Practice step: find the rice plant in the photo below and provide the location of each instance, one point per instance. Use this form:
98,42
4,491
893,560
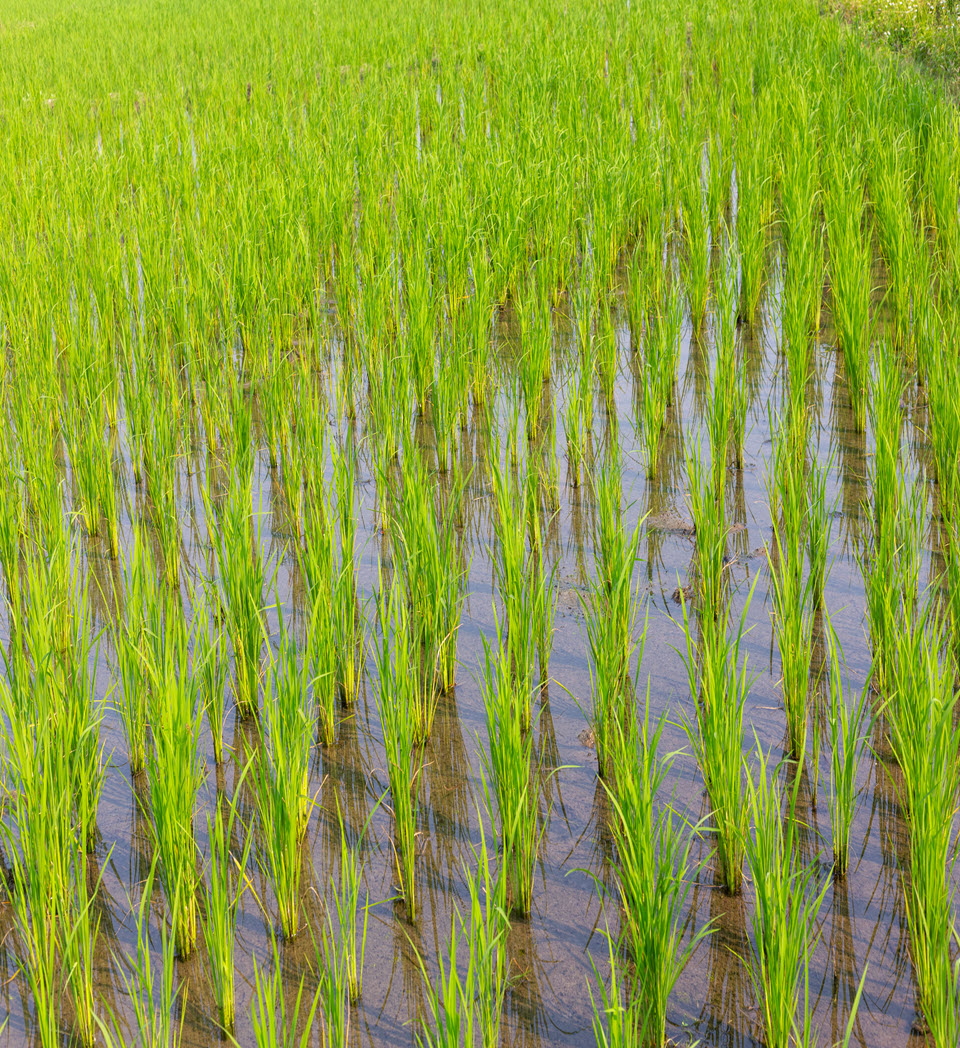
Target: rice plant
155,1001
719,683
80,938
618,1015
787,901
466,1004
350,939
174,775
278,1023
241,578
510,780
851,280
281,770
653,865
793,626
224,892
398,683
849,726
921,713
709,518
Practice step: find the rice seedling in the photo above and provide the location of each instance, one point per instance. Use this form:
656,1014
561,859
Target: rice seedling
240,574
487,926
321,658
573,432
653,876
224,893
886,416
350,939
281,780
921,714
787,901
709,519
695,261
851,283
433,577
397,699
660,359
754,171
618,1016
820,515
154,1006
141,597
849,725
174,775
467,1003
333,985
719,682
210,669
276,1023
511,783
80,937
37,880
793,624
517,583
610,621
944,435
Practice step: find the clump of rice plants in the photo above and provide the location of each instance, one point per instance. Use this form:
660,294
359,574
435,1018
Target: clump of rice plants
174,775
241,579
848,726
708,511
467,1004
281,767
511,781
921,713
719,682
653,867
787,901
399,682
278,1023
224,892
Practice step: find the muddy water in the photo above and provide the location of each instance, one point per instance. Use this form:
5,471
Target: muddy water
553,954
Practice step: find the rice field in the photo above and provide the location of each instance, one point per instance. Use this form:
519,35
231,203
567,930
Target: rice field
479,526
